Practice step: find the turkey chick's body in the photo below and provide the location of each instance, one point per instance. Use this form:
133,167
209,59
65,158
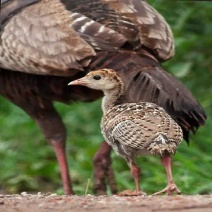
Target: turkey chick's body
134,129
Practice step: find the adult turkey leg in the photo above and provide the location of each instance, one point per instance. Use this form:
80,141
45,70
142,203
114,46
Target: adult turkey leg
54,130
59,149
103,172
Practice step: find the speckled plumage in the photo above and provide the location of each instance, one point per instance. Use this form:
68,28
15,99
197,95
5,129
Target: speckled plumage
137,128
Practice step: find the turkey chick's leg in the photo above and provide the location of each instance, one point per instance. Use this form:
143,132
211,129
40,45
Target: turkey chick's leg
136,173
171,186
54,130
103,171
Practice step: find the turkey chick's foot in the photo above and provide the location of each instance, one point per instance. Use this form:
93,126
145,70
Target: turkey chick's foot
171,187
136,172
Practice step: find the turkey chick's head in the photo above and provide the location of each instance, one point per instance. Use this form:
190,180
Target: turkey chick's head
103,79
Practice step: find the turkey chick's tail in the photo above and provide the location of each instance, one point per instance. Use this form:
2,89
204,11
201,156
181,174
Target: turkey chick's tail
145,80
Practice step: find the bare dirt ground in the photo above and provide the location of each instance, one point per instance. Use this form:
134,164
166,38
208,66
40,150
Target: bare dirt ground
52,202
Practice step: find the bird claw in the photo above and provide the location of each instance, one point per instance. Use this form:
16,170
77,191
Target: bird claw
131,193
169,190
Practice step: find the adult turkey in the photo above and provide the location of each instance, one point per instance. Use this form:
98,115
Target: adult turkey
47,43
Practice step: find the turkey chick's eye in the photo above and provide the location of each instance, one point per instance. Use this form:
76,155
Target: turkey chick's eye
97,77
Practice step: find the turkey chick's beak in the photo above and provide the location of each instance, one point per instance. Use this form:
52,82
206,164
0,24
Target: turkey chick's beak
81,81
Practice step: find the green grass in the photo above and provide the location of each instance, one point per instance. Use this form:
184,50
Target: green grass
28,163
23,169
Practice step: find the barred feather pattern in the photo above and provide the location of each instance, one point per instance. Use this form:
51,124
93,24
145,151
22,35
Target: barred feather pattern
60,37
136,20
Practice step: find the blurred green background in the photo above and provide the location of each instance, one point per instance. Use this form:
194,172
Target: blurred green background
28,162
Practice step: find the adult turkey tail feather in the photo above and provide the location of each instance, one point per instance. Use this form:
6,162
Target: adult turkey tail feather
156,85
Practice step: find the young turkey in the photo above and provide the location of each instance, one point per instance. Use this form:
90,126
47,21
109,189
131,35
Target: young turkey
133,129
44,44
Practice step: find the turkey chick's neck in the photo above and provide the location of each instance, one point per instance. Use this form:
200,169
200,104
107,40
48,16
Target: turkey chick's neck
111,96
